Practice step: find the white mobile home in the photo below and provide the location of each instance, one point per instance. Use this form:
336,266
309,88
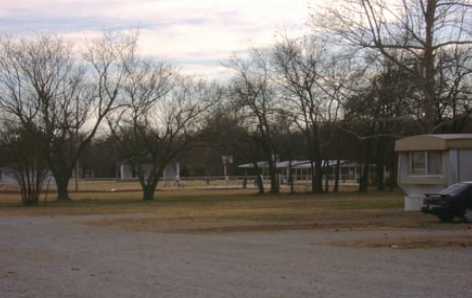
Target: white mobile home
8,177
429,163
171,171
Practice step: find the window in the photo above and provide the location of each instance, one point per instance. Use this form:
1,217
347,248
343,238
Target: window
434,163
425,163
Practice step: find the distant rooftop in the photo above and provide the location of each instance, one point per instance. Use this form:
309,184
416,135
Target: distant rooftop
434,142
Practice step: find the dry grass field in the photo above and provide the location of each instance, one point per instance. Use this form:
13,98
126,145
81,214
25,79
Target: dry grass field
218,209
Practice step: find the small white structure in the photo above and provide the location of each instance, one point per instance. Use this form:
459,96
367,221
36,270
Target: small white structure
171,171
7,178
349,171
429,163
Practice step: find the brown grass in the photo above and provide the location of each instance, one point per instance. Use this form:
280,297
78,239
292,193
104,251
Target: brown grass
217,210
422,242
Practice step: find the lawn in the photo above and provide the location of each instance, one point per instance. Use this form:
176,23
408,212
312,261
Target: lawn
229,210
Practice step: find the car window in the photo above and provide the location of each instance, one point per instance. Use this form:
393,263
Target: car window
458,189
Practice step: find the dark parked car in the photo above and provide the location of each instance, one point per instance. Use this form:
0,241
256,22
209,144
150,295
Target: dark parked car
454,201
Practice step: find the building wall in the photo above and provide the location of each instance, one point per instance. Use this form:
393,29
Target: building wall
464,163
416,186
456,159
7,178
456,168
170,172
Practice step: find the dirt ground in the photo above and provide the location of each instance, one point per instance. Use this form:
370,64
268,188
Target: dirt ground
65,256
220,211
203,246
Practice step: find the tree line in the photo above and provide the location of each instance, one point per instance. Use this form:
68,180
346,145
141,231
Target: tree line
367,73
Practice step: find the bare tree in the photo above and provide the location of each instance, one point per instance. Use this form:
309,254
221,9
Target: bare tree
42,83
223,135
46,85
256,99
24,159
382,109
311,80
422,30
159,118
455,98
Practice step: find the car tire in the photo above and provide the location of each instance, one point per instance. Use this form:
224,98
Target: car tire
467,215
446,218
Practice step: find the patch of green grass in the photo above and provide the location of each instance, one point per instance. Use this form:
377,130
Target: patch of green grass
234,204
276,217
375,204
421,242
90,202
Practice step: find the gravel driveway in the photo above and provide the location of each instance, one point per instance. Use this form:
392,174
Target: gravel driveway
59,257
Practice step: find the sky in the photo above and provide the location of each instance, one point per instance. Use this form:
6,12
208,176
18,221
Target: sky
194,35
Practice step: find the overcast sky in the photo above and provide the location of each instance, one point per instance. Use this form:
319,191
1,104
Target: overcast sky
196,35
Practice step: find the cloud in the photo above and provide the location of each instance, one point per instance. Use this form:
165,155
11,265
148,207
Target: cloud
177,30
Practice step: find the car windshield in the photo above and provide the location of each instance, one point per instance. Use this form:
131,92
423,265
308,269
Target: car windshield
456,189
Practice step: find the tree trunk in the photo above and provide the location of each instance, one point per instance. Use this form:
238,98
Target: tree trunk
429,67
364,179
259,182
272,160
317,168
274,181
30,182
149,185
148,192
380,176
290,174
336,176
393,172
62,189
62,174
380,165
326,175
318,177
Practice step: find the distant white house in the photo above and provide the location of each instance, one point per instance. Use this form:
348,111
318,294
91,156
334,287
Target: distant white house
7,178
301,169
429,163
127,172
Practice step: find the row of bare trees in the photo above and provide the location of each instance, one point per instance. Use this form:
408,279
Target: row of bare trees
370,71
56,98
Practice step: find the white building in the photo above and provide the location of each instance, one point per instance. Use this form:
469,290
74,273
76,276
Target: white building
429,163
7,178
171,171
